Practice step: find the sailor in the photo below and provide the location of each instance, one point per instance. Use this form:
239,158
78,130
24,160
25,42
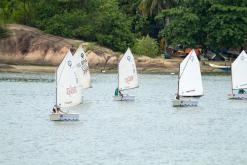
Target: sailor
241,91
118,92
57,109
54,109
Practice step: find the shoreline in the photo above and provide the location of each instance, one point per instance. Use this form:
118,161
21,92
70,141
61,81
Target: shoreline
46,53
8,68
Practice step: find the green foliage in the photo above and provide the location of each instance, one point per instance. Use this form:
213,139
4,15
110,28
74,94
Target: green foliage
3,32
227,26
146,46
154,7
183,28
114,27
67,24
212,24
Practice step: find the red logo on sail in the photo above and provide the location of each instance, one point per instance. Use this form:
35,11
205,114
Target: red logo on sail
129,79
71,91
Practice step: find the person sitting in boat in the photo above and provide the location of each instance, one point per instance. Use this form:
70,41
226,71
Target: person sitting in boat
118,92
54,109
241,91
57,109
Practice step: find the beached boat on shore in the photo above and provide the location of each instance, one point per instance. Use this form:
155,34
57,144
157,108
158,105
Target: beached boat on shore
221,67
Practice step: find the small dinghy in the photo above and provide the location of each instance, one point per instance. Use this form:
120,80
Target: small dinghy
184,102
127,77
68,92
239,77
64,116
223,68
124,97
189,82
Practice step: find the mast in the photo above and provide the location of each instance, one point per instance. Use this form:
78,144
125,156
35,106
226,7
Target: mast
56,84
118,74
231,79
178,82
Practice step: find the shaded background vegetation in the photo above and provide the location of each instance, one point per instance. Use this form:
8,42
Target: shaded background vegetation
118,24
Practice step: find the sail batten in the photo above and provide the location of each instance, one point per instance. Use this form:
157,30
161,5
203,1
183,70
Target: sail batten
190,81
239,69
68,91
127,73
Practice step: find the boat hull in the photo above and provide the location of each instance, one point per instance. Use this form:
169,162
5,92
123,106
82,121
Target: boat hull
238,96
184,103
64,117
124,98
223,68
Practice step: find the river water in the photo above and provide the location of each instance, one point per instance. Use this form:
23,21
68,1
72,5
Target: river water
148,131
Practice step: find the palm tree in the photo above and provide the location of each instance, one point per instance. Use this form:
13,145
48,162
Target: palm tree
153,7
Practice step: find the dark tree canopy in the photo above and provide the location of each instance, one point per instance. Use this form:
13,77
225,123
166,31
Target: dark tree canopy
119,24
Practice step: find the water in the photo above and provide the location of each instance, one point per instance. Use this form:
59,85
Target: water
148,131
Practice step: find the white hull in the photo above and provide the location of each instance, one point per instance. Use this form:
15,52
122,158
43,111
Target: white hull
124,98
238,96
64,116
184,103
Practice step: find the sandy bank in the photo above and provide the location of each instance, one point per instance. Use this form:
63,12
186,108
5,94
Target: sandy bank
142,70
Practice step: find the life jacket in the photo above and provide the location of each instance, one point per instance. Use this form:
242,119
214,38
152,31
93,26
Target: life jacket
116,92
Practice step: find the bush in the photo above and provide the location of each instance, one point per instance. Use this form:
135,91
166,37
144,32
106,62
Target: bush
146,46
3,32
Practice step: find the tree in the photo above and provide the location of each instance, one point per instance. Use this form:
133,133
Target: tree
227,26
154,7
114,27
7,9
183,28
213,24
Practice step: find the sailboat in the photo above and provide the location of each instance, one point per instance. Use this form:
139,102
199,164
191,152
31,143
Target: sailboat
127,77
68,92
82,68
189,82
239,77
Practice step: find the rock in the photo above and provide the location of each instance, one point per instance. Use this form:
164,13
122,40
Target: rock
94,59
143,59
113,61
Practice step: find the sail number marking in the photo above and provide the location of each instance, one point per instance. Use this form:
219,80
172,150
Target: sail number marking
129,79
71,90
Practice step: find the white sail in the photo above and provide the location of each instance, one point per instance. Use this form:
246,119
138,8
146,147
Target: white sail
82,68
127,73
68,89
239,72
190,81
